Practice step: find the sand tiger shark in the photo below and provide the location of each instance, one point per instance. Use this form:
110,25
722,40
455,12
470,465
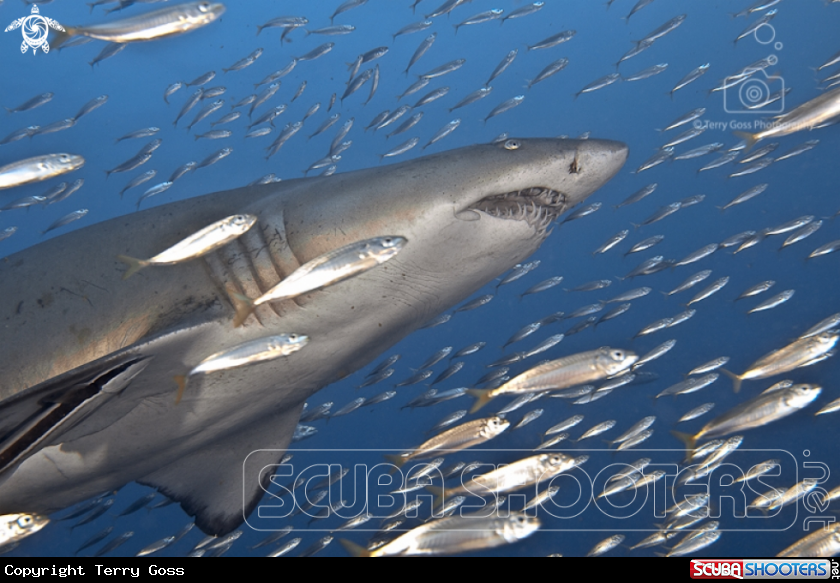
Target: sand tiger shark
87,360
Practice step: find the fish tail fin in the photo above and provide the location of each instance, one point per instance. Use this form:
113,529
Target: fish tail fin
690,441
751,139
62,36
439,493
397,459
134,265
181,380
354,549
243,305
736,380
482,397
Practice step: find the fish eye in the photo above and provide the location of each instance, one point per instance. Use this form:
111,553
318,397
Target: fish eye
512,145
204,6
24,521
617,355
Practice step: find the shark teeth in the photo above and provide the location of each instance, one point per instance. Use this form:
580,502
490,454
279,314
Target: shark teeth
537,206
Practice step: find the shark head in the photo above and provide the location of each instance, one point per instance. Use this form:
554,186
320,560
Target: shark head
468,214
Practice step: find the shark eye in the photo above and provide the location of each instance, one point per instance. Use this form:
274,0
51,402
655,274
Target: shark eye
512,144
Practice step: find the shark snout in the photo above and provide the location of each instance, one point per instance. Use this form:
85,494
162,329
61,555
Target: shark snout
590,165
607,157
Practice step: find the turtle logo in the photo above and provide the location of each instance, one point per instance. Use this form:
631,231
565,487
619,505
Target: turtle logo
34,29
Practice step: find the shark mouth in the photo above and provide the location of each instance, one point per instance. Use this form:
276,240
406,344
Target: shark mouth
538,206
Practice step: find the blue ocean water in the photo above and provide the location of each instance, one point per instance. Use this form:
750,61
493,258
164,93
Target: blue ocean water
802,37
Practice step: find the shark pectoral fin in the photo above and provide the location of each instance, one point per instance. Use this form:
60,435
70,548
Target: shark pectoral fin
221,484
39,415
